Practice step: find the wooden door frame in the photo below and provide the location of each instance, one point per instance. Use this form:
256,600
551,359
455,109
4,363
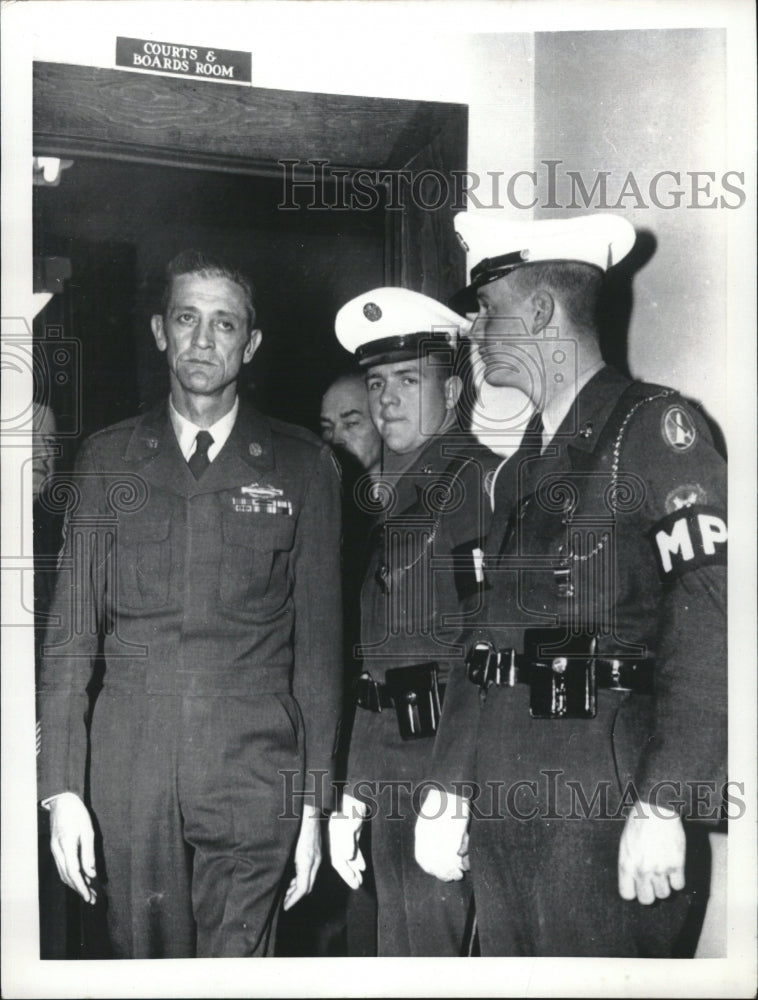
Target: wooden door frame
148,118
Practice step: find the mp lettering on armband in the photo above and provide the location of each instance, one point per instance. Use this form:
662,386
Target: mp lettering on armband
688,538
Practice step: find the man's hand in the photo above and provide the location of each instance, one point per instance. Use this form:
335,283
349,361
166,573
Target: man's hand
72,841
307,857
442,835
344,831
651,854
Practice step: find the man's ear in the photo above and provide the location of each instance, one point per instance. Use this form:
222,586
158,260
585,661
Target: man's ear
156,325
453,390
254,342
543,307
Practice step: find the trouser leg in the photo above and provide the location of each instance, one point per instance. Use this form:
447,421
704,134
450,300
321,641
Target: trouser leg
144,862
237,819
550,888
361,907
418,915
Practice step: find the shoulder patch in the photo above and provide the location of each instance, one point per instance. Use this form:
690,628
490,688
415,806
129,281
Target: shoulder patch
678,429
685,495
688,538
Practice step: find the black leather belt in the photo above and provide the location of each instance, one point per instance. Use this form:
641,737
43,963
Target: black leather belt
563,685
415,694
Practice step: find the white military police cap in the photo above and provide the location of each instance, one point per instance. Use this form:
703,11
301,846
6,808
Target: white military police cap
394,324
496,244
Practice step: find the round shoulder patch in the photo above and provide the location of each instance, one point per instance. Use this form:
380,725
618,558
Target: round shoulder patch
677,428
686,495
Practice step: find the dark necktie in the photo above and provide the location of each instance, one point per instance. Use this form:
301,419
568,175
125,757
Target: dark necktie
507,483
199,461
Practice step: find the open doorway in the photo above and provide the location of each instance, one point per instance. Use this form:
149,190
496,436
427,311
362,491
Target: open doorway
266,178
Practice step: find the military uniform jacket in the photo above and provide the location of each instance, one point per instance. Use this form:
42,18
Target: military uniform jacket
424,552
618,528
223,586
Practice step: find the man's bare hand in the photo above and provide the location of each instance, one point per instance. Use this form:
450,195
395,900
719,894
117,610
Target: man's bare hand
651,854
307,857
72,841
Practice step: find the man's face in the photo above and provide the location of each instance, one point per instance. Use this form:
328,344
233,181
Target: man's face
502,333
205,334
408,401
345,422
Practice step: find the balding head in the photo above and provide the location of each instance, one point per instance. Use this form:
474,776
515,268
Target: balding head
345,421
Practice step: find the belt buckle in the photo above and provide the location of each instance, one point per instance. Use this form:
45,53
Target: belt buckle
483,665
563,687
616,682
630,676
367,695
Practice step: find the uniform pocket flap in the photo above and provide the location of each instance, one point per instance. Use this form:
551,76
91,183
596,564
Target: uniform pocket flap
259,531
133,530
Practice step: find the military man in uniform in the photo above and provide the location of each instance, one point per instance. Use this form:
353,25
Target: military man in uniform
592,708
432,513
202,562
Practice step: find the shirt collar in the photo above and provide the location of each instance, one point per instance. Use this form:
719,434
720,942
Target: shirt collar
556,410
394,463
186,431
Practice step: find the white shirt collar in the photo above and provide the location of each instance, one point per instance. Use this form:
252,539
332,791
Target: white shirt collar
186,432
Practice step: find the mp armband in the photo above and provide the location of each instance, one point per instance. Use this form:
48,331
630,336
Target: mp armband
688,538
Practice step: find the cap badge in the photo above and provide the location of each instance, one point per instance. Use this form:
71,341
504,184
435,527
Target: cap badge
372,312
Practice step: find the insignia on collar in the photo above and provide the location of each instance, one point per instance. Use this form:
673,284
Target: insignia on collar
152,443
255,449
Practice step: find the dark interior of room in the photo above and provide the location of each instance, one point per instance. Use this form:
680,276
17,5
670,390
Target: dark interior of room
119,223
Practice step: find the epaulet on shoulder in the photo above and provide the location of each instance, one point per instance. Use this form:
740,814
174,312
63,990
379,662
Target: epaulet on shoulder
295,431
678,421
105,432
660,397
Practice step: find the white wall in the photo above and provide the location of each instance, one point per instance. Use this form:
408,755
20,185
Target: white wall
361,50
481,54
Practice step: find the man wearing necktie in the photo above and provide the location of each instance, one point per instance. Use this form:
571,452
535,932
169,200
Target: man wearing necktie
198,543
593,703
